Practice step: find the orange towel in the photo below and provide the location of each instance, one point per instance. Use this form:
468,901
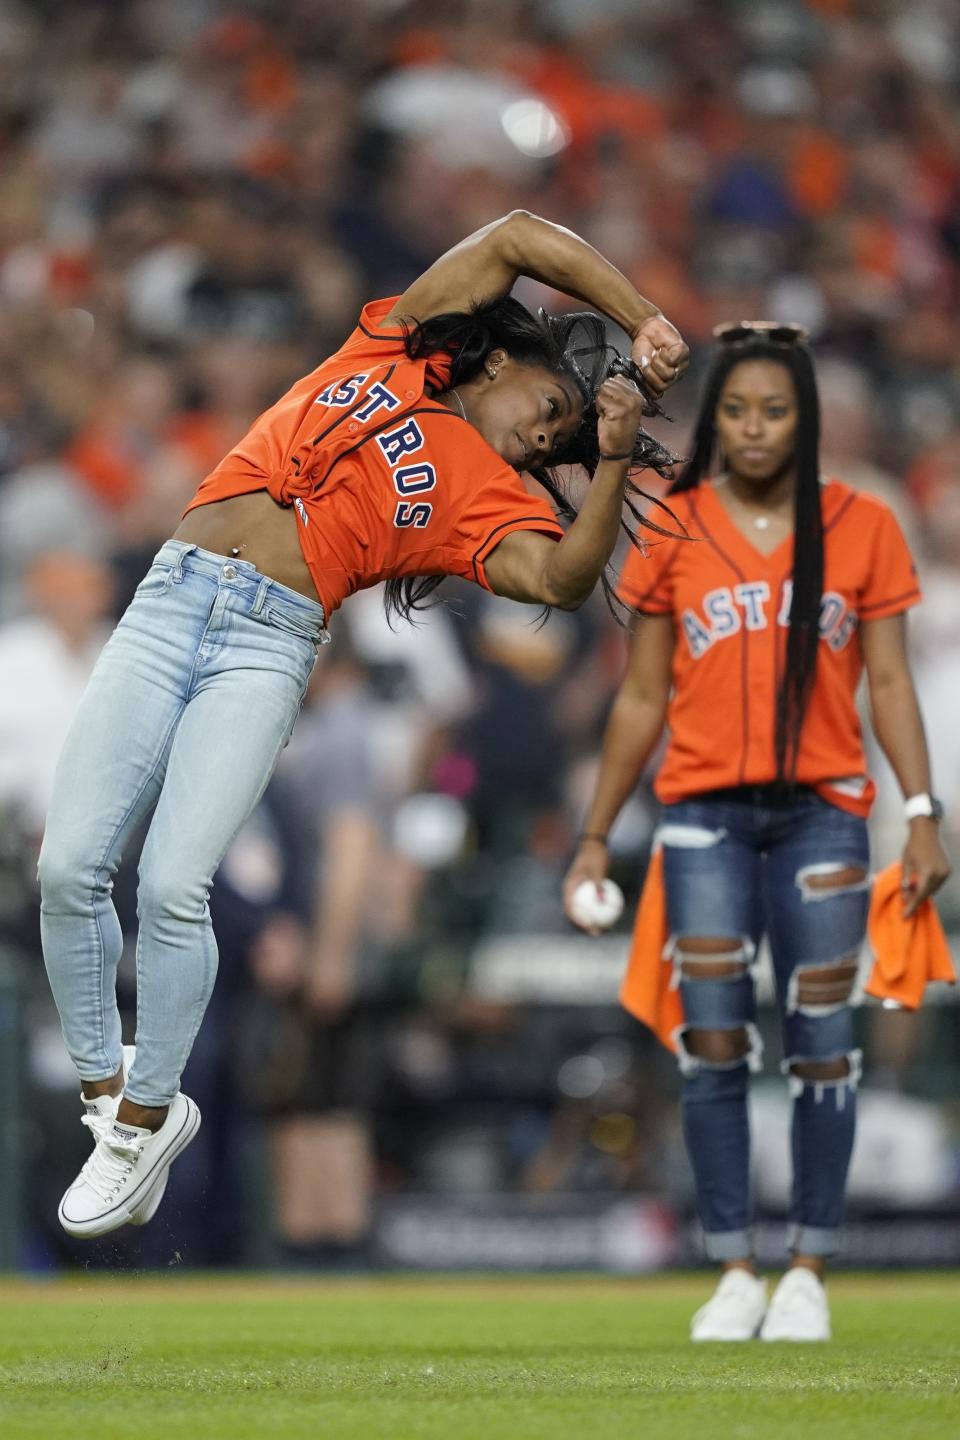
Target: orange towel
907,954
647,990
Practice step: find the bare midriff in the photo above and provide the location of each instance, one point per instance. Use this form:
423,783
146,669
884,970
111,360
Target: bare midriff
263,532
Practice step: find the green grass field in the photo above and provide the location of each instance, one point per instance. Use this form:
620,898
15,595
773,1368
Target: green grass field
485,1359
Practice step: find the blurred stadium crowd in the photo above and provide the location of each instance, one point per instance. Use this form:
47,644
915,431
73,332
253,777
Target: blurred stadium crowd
196,198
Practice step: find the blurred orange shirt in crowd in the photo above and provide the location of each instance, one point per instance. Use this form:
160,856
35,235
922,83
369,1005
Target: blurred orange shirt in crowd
384,480
106,467
730,605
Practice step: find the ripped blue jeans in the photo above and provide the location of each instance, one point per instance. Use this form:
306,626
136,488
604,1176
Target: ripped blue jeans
739,865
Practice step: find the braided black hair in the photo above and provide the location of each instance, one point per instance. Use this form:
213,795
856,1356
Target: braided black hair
795,682
574,346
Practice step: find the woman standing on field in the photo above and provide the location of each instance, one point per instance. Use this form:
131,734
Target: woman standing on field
401,458
750,647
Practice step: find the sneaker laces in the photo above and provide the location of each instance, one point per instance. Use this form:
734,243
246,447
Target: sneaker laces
112,1161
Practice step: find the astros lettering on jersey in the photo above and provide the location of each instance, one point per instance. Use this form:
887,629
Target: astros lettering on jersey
731,609
384,481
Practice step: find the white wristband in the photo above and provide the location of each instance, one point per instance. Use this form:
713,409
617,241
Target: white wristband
918,805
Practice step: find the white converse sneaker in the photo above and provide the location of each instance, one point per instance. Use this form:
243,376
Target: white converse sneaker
100,1115
734,1310
799,1309
126,1164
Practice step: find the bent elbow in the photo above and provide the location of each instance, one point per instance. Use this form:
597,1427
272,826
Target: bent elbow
564,591
512,234
519,216
566,600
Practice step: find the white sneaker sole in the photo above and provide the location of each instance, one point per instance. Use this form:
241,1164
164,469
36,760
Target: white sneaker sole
145,1199
796,1339
723,1339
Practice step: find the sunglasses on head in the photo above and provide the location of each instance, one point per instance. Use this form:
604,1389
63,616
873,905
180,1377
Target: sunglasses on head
741,332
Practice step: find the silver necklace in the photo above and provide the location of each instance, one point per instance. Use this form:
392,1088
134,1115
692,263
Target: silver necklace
460,403
762,522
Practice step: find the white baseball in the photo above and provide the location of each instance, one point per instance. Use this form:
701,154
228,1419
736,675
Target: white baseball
601,911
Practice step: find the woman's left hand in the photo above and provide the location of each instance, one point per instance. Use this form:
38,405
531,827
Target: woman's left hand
660,351
925,864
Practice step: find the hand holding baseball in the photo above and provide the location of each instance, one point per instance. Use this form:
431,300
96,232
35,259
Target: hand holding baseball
590,900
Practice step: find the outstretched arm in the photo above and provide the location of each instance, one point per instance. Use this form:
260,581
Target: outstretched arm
486,265
898,726
633,729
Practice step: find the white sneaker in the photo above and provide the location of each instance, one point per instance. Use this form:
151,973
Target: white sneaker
799,1309
735,1309
100,1115
127,1162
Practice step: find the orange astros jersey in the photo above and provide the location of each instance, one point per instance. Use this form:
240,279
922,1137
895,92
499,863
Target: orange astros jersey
731,608
385,481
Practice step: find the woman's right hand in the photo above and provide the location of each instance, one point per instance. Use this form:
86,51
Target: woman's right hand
589,863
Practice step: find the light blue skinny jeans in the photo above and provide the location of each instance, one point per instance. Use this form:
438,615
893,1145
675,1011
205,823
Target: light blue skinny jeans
187,710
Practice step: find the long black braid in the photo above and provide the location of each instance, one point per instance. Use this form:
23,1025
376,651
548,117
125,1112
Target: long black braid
796,681
573,345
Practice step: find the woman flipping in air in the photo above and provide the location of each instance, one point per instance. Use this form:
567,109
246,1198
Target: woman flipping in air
400,459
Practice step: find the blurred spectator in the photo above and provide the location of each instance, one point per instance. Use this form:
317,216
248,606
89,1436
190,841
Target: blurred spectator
849,422
45,662
43,508
312,868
